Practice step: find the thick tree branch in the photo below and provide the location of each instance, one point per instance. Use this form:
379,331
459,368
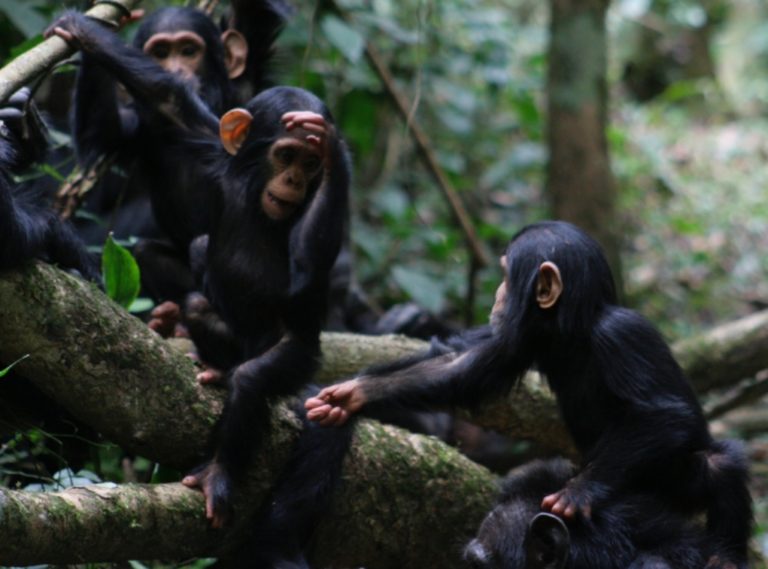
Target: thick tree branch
726,354
107,369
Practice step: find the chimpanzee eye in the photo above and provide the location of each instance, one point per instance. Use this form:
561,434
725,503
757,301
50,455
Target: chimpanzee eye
190,50
311,164
285,155
160,51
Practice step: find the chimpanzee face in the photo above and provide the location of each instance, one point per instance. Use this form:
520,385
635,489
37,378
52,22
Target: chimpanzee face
295,164
182,53
501,297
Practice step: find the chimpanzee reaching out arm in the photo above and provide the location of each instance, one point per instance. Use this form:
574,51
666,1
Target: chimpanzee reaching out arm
614,377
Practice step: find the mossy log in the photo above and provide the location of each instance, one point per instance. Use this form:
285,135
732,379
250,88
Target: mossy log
109,371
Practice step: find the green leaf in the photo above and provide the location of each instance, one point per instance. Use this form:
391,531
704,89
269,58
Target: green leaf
120,271
5,371
23,16
343,37
422,288
142,304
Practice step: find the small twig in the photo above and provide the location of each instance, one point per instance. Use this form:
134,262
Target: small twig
424,146
73,191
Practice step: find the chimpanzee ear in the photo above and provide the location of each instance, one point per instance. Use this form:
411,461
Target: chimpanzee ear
549,286
235,52
233,129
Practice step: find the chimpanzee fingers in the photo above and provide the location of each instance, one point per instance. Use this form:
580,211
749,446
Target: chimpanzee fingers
210,376
306,120
135,16
20,97
335,418
319,413
548,501
192,481
314,402
66,35
10,114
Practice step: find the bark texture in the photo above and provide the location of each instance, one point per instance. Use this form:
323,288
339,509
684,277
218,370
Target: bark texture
580,184
110,371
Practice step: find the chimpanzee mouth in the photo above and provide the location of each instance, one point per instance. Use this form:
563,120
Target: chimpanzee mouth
281,203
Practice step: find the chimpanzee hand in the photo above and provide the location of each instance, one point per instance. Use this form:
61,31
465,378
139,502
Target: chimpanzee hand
216,485
320,131
72,26
21,123
334,404
578,496
164,319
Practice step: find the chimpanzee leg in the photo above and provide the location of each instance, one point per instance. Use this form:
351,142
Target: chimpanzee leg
280,371
729,511
301,498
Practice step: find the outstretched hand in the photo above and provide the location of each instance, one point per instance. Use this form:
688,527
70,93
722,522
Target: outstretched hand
333,406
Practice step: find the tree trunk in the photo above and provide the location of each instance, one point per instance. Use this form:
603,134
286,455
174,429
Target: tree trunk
580,183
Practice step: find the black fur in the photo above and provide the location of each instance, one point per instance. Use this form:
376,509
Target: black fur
624,399
629,531
30,229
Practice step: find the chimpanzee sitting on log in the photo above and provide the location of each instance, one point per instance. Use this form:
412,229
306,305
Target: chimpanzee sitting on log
624,399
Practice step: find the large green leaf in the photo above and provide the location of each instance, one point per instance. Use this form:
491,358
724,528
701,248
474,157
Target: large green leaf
120,271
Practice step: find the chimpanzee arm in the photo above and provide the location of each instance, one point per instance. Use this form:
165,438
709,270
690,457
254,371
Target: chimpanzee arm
100,125
317,238
485,370
147,82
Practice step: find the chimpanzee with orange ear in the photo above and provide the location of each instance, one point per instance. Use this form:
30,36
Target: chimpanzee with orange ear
276,203
276,228
624,399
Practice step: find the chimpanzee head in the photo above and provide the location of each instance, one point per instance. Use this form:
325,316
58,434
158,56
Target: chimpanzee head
553,273
515,534
185,41
285,164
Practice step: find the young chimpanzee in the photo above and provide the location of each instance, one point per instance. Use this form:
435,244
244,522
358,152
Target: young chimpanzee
29,228
624,399
276,229
630,531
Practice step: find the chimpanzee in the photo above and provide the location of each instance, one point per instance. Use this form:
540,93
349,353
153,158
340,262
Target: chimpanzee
624,399
276,220
276,230
629,531
157,197
28,227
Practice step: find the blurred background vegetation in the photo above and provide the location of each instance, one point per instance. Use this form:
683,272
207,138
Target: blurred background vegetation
687,134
